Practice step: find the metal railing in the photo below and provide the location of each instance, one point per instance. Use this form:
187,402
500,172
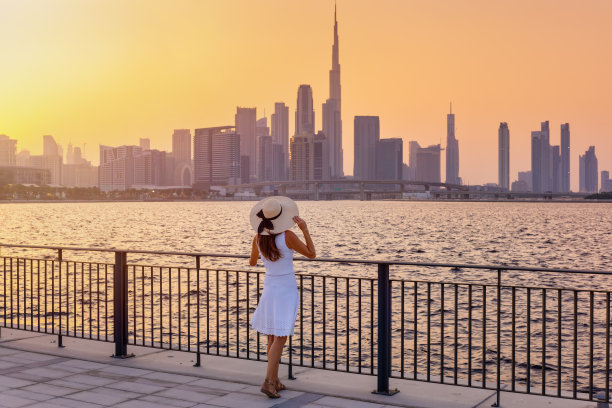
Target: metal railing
548,340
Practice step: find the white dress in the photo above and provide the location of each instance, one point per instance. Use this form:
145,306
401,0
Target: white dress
278,306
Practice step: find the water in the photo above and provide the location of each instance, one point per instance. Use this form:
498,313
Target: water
572,235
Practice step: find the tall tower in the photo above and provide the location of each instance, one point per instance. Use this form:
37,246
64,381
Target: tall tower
452,150
565,157
304,114
503,156
332,118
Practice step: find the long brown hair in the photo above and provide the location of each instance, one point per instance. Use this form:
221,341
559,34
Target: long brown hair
268,248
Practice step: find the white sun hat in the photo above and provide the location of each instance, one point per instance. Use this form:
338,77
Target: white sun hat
273,215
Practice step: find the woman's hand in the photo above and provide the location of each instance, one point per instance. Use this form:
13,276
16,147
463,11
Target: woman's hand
300,223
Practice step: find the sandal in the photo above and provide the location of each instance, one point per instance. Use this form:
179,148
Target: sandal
279,386
269,393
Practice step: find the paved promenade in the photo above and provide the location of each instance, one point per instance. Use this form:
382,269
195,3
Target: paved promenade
34,372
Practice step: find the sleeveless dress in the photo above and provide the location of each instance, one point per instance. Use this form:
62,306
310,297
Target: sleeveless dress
278,305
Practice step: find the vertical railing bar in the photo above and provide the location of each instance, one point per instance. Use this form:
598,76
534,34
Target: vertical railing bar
371,326
188,309
59,255
312,322
151,306
591,326
428,331
528,340
46,298
335,324
170,301
218,330
179,308
199,314
161,307
415,331
513,338
348,347
90,302
227,296
470,335
575,390
403,333
301,320
238,315
484,336
559,322
18,298
543,341
142,305
207,310
456,313
441,332
358,326
498,386
258,334
12,295
324,319
106,314
248,316
32,295
607,346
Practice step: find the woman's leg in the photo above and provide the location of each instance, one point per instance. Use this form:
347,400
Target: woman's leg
274,356
270,340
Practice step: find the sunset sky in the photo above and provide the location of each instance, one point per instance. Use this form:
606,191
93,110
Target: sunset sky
111,72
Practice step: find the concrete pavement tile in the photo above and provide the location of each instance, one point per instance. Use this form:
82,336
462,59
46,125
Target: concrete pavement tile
28,395
49,389
32,357
168,402
140,404
89,379
219,385
66,367
104,396
192,396
346,403
8,351
195,388
87,365
12,401
28,377
71,384
136,387
240,400
48,373
12,382
43,405
4,364
175,378
65,402
126,371
205,406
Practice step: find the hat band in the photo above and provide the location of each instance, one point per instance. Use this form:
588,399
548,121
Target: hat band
267,222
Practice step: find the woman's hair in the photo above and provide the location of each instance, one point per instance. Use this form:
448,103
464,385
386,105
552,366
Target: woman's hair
268,248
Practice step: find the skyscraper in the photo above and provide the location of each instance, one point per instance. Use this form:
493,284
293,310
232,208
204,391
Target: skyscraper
541,166
8,150
121,167
565,157
216,154
302,157
555,165
320,149
503,171
280,136
52,159
245,123
427,163
588,171
389,159
181,154
367,134
332,118
304,113
452,150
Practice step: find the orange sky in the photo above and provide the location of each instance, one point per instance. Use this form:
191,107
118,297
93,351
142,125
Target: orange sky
110,72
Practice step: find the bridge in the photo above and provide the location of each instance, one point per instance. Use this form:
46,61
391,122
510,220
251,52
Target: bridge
365,189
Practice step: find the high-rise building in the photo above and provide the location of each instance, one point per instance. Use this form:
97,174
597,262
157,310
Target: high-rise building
52,159
217,159
413,148
588,171
332,108
79,172
145,144
503,172
367,134
280,136
452,150
527,178
606,183
565,157
389,159
304,113
555,164
428,163
121,168
541,165
246,127
181,155
265,163
8,151
301,160
321,167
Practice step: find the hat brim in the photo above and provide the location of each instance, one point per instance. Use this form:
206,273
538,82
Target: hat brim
283,222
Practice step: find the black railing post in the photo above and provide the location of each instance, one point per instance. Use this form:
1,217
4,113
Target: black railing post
384,331
60,343
498,386
120,294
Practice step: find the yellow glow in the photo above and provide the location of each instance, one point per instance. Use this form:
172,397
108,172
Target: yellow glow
111,72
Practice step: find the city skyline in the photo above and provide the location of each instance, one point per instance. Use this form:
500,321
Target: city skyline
413,108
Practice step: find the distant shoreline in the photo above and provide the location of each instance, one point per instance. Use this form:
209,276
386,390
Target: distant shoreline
259,198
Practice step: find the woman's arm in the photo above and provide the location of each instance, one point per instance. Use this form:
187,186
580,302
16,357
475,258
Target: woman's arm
293,242
254,252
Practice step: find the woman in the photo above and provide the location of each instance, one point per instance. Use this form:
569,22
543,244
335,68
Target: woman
278,306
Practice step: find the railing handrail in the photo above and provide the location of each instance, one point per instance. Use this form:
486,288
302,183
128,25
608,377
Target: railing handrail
334,260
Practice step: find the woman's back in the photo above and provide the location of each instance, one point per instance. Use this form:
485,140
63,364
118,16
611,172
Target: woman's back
284,265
